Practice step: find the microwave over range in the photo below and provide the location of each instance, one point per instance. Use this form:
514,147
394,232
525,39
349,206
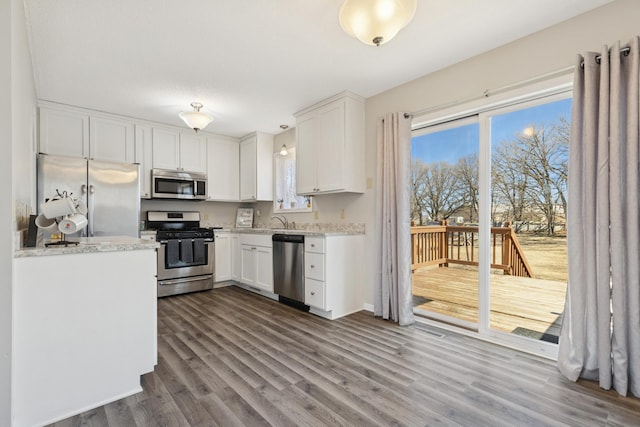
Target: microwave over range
169,184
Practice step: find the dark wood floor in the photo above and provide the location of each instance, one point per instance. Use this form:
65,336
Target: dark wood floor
229,358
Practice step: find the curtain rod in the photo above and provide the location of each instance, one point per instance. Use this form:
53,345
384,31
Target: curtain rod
624,51
488,92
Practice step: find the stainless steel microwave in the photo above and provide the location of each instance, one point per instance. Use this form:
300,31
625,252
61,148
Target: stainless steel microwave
170,184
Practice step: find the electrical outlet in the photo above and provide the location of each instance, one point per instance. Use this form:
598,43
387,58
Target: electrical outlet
342,214
206,216
258,213
316,215
369,183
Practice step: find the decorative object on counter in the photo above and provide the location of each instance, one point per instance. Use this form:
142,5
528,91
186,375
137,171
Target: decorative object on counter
64,213
244,218
280,203
375,22
196,119
32,232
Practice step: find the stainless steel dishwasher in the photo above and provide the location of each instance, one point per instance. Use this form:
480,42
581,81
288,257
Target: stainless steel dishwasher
288,269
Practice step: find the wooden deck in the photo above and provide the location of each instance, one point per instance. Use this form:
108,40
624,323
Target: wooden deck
527,306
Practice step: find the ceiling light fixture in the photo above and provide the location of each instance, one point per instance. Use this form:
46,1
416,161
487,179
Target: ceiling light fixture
196,119
375,22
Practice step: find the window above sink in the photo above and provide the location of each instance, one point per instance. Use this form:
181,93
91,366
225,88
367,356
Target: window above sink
285,198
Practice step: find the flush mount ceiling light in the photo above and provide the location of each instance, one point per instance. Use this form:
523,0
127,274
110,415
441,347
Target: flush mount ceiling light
196,119
375,22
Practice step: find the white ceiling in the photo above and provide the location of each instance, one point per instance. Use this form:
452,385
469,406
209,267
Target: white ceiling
252,63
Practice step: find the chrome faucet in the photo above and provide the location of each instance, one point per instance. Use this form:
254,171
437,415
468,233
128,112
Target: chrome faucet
283,220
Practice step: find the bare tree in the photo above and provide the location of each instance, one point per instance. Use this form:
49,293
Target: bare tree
418,192
510,182
467,170
547,167
443,192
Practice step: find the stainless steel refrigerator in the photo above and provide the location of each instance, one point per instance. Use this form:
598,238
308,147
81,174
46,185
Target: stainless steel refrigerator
111,191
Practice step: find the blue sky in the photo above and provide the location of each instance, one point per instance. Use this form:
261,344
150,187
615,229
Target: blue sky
451,144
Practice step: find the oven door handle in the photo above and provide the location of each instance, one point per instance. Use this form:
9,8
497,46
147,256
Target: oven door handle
186,279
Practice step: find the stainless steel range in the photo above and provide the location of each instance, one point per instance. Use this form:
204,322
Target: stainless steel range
186,260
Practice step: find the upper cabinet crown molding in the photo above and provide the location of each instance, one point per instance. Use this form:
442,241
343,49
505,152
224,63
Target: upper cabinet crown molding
330,146
337,97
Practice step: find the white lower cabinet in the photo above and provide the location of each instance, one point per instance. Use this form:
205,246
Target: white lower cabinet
333,269
334,275
236,266
256,255
223,256
314,293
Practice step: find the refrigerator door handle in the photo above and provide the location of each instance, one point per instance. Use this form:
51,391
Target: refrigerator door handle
90,210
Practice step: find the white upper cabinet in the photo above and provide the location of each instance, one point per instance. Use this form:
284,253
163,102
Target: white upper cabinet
256,167
166,149
193,152
223,169
330,146
179,151
64,132
111,140
69,131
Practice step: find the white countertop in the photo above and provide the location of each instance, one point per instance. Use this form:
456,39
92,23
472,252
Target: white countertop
90,245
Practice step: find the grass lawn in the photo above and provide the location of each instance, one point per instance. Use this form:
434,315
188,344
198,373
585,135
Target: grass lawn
547,255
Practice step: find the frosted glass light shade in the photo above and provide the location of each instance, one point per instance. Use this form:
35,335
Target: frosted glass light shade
375,22
196,119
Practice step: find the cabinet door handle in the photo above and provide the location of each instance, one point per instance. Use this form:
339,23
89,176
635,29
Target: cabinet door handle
313,293
313,245
253,249
313,266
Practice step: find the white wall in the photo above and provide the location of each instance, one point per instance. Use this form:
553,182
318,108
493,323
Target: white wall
541,53
24,110
17,105
6,229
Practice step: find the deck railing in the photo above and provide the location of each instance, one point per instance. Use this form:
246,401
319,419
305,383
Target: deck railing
445,244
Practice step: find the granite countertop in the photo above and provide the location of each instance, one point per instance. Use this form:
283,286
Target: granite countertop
305,229
90,245
304,232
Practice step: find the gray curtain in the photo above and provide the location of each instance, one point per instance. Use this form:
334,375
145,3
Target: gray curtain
392,299
600,337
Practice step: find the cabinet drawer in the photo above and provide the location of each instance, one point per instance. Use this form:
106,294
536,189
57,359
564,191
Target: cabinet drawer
314,266
256,239
314,244
314,293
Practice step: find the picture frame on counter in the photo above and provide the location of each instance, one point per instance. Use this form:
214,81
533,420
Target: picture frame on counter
244,218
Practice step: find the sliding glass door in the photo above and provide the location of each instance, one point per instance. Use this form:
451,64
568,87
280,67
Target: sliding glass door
528,174
488,221
444,209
